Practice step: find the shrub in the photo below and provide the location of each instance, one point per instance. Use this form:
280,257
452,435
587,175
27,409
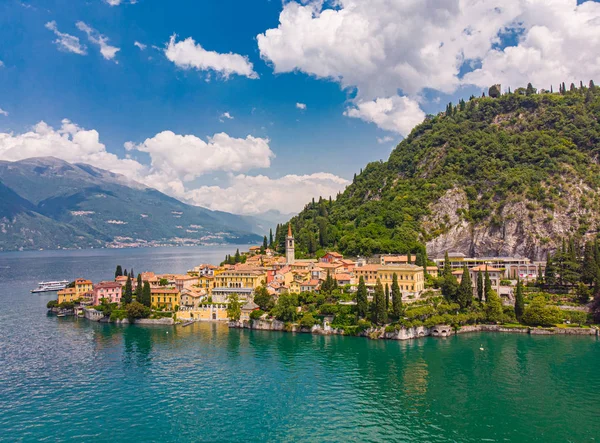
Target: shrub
52,304
540,314
135,310
256,315
308,321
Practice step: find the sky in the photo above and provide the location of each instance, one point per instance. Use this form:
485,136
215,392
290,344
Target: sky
253,106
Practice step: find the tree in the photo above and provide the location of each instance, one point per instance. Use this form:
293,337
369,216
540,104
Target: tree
387,296
147,295
396,297
285,309
263,299
595,308
447,269
163,282
465,290
589,265
480,286
136,310
118,271
271,238
265,244
583,293
234,308
493,307
362,302
125,274
237,257
449,287
550,273
379,314
539,314
139,288
127,293
519,301
530,89
487,283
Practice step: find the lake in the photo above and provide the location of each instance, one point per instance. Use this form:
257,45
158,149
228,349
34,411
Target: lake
65,379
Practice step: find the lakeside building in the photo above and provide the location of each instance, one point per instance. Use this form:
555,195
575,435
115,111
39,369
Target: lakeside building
512,267
164,298
83,286
411,278
109,290
67,295
241,282
190,298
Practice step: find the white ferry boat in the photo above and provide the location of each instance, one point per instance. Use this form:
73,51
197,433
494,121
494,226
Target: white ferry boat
50,286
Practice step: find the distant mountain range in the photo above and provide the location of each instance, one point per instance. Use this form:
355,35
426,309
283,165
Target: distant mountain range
47,203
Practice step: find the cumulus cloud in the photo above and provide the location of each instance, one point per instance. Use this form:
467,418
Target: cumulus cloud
1,64
3,112
119,2
107,51
381,47
257,194
301,106
396,114
66,42
187,54
140,45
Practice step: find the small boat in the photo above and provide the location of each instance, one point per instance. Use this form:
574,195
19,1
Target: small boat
61,315
50,286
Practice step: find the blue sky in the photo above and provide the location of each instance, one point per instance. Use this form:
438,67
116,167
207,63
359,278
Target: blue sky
137,94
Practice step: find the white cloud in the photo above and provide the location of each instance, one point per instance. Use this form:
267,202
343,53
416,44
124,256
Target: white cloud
66,42
3,112
188,156
1,64
140,45
107,51
119,2
396,114
225,115
254,195
381,47
186,54
301,106
383,140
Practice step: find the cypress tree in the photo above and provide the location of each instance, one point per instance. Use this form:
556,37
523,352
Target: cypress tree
118,271
465,290
550,274
447,270
379,314
139,288
125,274
589,265
271,238
128,293
592,86
147,295
408,258
238,257
519,301
265,244
396,297
387,296
362,303
131,274
480,286
487,284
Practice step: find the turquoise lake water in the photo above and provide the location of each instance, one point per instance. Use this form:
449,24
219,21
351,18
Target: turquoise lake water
63,379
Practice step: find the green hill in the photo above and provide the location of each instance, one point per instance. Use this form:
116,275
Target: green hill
492,176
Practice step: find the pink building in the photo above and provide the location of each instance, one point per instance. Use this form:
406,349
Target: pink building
109,290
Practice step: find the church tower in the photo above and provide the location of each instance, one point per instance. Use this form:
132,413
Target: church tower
290,250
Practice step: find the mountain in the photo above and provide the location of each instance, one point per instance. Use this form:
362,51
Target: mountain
49,203
505,176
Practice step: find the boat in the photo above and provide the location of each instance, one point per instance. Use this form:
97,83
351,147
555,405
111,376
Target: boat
50,286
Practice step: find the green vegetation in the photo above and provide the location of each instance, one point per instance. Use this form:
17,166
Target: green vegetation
521,146
127,292
234,308
136,310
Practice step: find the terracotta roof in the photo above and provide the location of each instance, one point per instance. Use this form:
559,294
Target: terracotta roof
107,285
164,291
367,268
68,291
83,281
334,254
342,276
310,283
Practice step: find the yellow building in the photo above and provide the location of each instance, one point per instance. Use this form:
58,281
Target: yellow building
410,277
206,282
68,295
82,286
294,287
367,272
240,279
204,312
166,298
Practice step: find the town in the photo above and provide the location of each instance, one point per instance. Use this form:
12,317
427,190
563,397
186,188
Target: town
335,293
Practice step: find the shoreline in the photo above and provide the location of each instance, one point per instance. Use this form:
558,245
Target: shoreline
408,333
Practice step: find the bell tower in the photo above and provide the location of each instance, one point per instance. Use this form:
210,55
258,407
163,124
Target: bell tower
290,250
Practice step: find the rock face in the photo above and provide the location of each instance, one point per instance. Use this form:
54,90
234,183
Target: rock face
522,228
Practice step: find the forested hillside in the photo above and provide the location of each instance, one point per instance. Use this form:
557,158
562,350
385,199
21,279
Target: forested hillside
508,175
